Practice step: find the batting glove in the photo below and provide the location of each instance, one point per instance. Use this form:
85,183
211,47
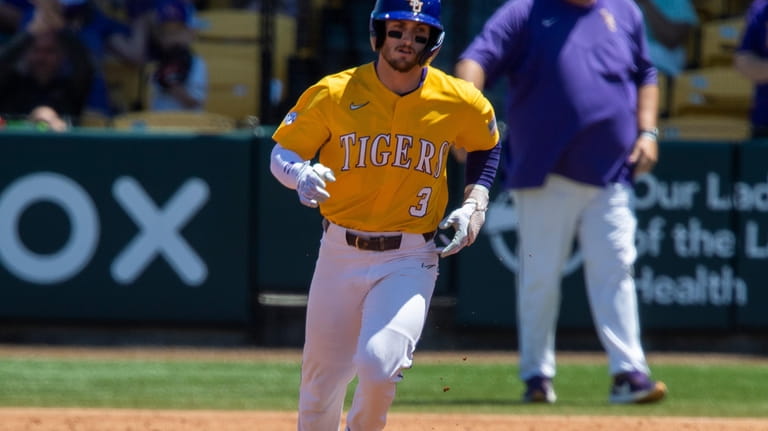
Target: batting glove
460,220
311,184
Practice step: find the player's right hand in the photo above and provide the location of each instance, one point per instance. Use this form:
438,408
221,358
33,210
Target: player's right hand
311,184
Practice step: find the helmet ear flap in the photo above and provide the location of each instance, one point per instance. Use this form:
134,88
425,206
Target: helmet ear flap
377,34
436,37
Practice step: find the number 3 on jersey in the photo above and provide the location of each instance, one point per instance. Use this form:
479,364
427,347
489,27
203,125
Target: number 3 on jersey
420,208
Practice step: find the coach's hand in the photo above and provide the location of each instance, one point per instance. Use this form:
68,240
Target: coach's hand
311,184
467,222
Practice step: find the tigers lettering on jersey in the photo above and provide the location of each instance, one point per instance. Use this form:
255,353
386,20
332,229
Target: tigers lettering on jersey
365,151
389,152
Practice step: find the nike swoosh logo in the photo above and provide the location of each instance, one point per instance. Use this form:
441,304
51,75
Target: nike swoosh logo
427,266
355,106
548,22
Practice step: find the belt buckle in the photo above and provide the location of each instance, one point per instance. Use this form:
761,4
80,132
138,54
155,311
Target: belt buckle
357,241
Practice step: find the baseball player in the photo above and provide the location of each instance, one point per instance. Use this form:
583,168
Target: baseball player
583,103
382,134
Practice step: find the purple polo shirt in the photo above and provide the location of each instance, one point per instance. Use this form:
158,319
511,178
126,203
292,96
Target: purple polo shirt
755,41
573,76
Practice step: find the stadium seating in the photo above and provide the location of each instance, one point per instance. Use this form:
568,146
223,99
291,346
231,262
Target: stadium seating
174,121
719,40
234,77
664,93
229,25
710,100
219,4
715,9
704,127
125,84
713,90
229,40
230,43
93,119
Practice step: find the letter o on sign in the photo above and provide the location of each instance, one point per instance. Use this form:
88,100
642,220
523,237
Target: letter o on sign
81,244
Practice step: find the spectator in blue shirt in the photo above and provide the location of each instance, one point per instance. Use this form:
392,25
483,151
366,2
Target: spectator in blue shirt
180,81
103,36
45,71
11,14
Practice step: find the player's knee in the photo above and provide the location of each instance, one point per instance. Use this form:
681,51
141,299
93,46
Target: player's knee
375,369
372,370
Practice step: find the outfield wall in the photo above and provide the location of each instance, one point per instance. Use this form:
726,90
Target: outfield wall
184,229
702,245
125,227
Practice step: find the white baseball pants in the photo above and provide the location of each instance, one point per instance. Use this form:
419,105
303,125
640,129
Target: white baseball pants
365,314
603,219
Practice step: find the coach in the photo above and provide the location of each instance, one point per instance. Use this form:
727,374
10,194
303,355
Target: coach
581,115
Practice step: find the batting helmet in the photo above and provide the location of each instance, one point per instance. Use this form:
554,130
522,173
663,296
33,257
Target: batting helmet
426,11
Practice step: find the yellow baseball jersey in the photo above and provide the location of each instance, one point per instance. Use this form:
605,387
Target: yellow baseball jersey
388,152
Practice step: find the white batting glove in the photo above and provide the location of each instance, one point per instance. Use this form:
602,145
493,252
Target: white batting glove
311,184
460,220
476,222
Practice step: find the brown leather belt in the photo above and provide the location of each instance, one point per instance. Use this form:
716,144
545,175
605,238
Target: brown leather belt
376,243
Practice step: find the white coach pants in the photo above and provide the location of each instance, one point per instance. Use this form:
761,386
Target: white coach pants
365,314
603,219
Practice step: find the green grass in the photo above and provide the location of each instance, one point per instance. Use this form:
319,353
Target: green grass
722,390
704,390
148,384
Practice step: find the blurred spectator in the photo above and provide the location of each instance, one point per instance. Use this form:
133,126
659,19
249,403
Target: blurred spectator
287,7
135,9
751,59
193,21
102,35
668,26
180,81
11,13
48,118
45,66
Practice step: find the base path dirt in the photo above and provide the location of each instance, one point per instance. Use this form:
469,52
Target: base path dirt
57,419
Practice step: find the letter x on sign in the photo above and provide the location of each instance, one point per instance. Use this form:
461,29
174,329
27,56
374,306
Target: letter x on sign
159,231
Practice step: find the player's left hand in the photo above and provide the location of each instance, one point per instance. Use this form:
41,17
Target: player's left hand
467,223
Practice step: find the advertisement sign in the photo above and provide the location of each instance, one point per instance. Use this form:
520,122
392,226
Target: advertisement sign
124,227
750,203
688,272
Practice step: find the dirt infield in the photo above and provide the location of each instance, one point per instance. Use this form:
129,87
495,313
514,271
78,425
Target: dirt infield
75,419
27,419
